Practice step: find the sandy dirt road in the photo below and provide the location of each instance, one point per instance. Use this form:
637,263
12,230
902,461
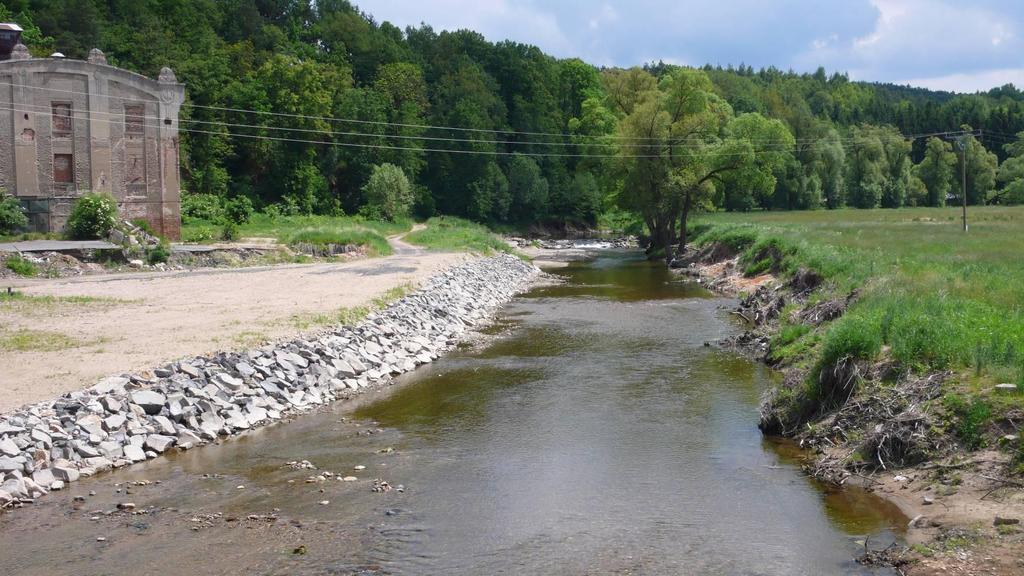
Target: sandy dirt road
149,319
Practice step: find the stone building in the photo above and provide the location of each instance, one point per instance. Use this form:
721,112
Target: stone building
70,126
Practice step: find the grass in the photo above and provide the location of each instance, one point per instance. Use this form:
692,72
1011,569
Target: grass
30,304
347,316
319,230
25,340
455,234
21,266
931,296
375,244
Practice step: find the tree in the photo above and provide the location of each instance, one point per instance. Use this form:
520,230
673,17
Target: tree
1011,174
938,171
388,193
585,198
490,195
691,150
879,167
982,166
528,189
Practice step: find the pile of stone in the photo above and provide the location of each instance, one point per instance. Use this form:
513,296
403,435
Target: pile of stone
129,419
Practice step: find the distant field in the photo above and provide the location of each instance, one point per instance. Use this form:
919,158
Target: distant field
931,296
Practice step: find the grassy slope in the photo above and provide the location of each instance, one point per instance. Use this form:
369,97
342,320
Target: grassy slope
931,297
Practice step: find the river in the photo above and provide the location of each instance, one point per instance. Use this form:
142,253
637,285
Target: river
589,431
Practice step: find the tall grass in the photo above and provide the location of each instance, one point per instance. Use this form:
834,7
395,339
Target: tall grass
456,234
936,297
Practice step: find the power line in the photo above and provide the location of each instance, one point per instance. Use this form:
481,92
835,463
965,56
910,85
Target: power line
397,124
78,115
41,109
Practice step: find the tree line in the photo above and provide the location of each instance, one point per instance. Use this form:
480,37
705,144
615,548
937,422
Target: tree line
296,104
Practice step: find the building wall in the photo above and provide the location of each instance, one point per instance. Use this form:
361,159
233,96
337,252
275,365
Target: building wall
123,139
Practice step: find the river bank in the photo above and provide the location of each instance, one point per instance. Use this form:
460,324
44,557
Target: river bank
886,429
128,419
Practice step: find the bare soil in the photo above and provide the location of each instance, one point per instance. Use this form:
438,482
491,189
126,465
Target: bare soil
155,318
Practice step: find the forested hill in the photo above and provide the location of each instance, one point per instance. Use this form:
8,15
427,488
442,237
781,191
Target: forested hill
292,103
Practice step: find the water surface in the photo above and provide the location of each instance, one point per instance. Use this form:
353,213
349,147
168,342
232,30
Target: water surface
592,432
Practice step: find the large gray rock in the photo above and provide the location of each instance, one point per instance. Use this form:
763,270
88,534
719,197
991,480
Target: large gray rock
66,472
114,422
158,442
11,464
9,448
150,401
164,425
134,453
112,385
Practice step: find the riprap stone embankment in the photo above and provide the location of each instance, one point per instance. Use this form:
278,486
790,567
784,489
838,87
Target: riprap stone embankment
128,419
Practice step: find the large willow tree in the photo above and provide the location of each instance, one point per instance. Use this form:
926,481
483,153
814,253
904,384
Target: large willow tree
681,148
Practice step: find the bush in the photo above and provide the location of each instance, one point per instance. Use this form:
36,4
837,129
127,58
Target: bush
229,232
92,217
158,254
201,207
238,210
12,217
388,193
20,266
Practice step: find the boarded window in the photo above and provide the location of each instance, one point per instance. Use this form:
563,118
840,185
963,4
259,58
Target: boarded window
63,169
134,119
61,114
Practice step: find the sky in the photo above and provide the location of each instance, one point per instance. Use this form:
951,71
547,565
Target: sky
961,45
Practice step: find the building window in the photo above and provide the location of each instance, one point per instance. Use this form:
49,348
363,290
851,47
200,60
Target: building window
61,115
134,119
63,169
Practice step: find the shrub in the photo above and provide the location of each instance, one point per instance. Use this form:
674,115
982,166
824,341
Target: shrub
239,210
229,232
388,193
92,217
20,266
158,254
201,207
12,217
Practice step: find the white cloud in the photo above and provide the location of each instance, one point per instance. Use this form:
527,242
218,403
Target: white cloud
496,19
972,81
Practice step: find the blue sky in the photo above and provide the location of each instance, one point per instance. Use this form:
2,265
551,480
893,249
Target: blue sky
963,45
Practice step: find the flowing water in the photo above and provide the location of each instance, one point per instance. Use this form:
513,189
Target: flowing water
591,432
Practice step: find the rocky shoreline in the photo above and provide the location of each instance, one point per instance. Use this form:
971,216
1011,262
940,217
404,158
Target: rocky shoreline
127,419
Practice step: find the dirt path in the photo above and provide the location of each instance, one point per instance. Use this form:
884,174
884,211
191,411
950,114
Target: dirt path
143,320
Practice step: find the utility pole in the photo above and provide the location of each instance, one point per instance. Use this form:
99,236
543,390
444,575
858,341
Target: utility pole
961,143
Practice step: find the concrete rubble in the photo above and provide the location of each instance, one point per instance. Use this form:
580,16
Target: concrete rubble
127,419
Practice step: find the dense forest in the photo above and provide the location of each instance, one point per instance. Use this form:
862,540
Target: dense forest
293,104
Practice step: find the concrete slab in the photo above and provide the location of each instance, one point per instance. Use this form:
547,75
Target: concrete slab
56,245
